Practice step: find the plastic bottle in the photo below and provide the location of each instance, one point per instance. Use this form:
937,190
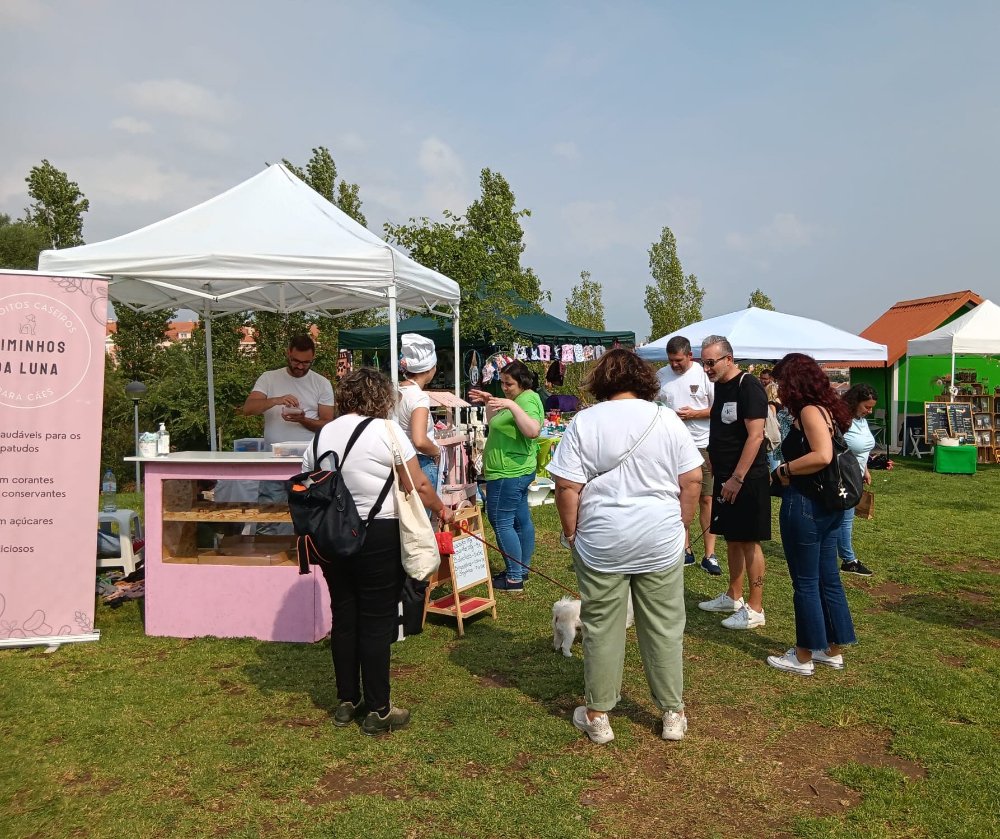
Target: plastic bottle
162,441
109,490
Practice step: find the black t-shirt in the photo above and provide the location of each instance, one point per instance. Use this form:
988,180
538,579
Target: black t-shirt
736,402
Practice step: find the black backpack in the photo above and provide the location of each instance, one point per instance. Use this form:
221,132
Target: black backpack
324,515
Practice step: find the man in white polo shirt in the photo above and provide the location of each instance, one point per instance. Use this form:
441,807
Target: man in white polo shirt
686,389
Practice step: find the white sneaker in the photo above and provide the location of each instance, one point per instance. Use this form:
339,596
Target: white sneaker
722,603
597,729
674,725
745,618
834,661
790,663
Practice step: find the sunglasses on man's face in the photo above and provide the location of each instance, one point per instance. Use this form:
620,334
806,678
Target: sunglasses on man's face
711,362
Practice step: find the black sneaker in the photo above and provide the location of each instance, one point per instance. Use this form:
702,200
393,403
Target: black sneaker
395,718
711,565
855,567
505,583
346,713
688,556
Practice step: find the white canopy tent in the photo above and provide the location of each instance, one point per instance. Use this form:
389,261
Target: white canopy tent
763,334
977,332
273,244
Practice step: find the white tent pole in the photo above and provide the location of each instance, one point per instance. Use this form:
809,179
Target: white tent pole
393,339
952,369
458,358
906,399
211,377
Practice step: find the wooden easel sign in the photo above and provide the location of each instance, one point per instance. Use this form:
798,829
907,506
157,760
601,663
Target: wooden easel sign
469,567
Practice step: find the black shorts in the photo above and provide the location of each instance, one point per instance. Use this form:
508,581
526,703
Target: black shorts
748,518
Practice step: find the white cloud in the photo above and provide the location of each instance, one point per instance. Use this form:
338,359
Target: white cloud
126,178
24,12
597,226
178,98
351,142
132,125
446,186
785,232
206,138
566,149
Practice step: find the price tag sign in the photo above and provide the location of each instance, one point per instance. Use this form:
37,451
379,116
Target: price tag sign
469,562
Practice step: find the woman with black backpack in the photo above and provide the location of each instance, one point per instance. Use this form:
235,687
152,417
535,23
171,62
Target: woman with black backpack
365,588
809,526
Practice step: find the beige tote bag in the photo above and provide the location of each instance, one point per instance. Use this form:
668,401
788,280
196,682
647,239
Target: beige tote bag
418,545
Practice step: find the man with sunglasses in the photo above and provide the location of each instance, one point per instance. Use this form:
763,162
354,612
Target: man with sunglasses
741,501
296,403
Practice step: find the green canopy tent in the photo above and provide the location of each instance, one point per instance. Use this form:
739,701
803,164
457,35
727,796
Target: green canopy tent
532,328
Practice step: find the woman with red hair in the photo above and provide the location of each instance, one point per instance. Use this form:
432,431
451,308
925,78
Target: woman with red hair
809,530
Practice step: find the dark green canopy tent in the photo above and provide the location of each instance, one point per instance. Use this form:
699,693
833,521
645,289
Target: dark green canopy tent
533,328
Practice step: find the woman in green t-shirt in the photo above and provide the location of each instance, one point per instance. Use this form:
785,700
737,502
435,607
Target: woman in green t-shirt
509,461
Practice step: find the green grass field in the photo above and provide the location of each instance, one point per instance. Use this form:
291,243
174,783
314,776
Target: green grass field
156,737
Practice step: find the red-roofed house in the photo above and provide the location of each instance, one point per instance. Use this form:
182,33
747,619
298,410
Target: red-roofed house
910,319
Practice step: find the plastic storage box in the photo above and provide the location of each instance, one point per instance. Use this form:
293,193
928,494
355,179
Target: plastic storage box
249,444
295,448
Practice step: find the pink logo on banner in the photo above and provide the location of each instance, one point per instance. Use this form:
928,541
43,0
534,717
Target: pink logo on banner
45,350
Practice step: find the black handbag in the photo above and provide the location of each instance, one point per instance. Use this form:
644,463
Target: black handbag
841,481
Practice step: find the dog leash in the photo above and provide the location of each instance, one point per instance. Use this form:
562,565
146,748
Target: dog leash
465,529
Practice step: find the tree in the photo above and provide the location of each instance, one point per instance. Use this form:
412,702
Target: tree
760,300
59,205
674,299
585,306
481,251
20,243
321,174
138,343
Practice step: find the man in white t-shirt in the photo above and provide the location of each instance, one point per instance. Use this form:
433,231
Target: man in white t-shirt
296,403
686,389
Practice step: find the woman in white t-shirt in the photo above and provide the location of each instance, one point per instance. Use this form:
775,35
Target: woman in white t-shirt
365,588
418,364
628,477
860,400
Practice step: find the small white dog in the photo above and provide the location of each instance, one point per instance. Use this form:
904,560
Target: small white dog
566,622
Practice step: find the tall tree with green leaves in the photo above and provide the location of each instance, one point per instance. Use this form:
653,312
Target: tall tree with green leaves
673,300
138,341
760,300
321,174
481,251
20,243
58,205
585,304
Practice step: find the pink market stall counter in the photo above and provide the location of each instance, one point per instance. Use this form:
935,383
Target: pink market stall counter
204,574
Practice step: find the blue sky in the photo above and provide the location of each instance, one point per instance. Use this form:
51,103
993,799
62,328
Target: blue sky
840,156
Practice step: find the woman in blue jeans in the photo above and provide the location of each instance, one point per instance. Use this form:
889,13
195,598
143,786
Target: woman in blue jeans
809,530
509,461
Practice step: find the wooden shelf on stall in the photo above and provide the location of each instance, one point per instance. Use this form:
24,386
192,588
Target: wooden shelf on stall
228,515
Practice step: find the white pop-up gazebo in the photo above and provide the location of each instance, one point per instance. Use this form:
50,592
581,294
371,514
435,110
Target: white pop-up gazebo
273,244
977,332
763,335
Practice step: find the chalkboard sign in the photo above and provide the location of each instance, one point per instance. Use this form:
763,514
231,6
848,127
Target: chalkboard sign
469,562
935,420
960,420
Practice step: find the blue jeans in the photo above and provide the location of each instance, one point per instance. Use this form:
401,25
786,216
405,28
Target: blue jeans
845,550
809,534
429,467
509,514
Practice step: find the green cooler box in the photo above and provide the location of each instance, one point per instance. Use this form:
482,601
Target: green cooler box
955,460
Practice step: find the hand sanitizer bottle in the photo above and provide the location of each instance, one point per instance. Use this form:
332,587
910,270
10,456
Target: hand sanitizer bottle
162,441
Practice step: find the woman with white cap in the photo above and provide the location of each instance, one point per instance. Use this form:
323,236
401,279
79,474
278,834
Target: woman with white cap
418,364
